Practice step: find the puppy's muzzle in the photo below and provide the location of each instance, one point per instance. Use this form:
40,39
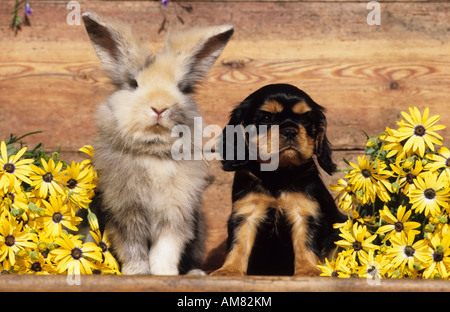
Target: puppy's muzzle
289,133
289,130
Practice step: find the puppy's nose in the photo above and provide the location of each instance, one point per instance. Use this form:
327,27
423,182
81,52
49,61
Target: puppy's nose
289,133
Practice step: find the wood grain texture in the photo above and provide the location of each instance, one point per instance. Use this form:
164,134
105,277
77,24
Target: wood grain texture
364,75
105,283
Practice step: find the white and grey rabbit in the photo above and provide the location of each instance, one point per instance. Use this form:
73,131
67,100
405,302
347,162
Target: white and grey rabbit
151,203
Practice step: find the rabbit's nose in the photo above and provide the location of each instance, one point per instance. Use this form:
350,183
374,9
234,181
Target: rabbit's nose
159,111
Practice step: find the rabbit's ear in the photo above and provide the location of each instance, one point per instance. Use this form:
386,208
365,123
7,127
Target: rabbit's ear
120,54
197,50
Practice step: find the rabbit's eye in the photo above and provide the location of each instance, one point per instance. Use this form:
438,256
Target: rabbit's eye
133,83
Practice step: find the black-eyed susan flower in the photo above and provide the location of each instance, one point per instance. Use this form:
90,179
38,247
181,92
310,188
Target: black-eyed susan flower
439,257
12,200
441,160
406,252
79,182
406,177
345,194
57,215
73,257
13,238
393,146
355,241
431,193
418,131
109,262
48,179
330,268
13,170
370,178
35,263
399,224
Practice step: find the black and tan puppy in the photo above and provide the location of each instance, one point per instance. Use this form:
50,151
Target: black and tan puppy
282,220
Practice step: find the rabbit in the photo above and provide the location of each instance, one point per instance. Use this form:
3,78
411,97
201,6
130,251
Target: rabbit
150,203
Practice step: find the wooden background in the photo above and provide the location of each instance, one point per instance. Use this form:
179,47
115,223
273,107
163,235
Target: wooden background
364,75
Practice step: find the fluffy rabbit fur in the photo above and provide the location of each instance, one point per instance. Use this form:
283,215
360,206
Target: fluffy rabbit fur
150,203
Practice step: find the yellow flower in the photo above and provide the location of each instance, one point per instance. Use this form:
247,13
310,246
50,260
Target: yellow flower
87,163
103,244
407,176
345,192
439,260
329,268
13,171
48,179
355,241
57,214
399,224
374,266
12,200
371,178
441,160
419,131
74,257
36,264
13,239
349,267
393,146
79,183
432,193
405,252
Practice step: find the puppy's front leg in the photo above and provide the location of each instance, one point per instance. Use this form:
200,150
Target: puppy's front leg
298,209
248,213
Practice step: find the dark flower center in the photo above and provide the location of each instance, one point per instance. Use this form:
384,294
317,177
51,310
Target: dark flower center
438,256
366,173
429,193
9,168
76,253
447,163
10,240
72,183
419,130
36,267
357,246
409,251
410,178
398,226
57,217
48,177
103,246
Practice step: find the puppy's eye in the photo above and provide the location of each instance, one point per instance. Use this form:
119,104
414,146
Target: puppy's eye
133,83
266,117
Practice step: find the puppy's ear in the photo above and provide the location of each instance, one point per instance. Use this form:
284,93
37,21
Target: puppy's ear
232,143
322,147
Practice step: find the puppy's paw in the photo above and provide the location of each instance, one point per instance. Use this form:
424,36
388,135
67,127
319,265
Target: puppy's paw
227,272
307,272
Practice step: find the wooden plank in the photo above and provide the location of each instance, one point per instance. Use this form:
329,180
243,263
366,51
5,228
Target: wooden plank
105,283
364,75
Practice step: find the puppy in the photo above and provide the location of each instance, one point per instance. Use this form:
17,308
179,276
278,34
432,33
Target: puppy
282,217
